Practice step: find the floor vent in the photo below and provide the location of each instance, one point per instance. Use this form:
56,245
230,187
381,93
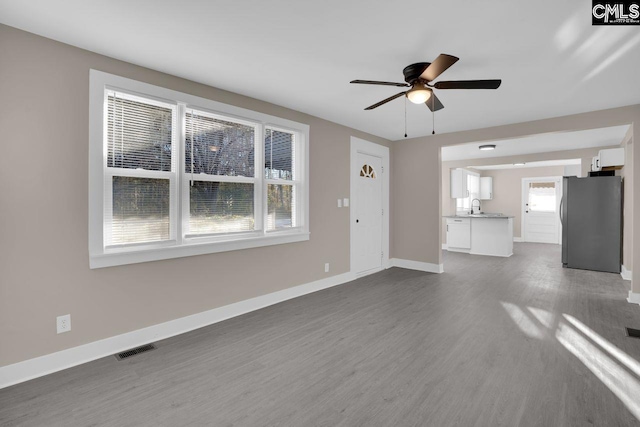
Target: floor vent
633,333
135,351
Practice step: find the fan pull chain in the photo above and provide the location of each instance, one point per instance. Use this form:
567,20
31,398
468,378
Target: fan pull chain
405,116
433,115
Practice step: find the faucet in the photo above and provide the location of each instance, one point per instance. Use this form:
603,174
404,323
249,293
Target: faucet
472,206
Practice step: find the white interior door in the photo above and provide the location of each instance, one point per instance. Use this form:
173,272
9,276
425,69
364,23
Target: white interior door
540,219
368,205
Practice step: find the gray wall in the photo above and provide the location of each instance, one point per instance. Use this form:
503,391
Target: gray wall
44,263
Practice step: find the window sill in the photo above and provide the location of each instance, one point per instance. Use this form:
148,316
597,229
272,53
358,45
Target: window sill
134,256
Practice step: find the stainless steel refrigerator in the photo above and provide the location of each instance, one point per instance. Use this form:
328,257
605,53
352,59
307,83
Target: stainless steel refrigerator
591,215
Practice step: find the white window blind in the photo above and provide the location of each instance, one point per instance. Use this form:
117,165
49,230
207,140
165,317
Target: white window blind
139,133
279,154
219,147
280,173
140,169
220,167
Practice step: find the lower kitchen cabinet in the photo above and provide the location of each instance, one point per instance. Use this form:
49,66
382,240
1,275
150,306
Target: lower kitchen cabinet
459,233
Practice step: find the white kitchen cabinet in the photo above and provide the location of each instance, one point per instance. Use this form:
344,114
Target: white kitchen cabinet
473,184
459,234
492,236
607,158
486,188
459,187
611,157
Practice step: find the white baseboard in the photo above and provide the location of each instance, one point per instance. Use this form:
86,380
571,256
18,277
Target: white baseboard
50,363
626,274
445,247
518,239
462,251
634,298
417,265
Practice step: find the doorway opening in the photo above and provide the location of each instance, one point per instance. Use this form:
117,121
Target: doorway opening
534,204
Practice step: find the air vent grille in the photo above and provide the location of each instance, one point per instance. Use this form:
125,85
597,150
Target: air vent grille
134,351
633,333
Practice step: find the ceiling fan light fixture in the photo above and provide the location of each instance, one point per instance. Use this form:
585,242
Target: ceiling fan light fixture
487,147
418,94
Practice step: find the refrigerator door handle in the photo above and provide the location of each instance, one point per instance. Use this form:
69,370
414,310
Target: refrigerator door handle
560,210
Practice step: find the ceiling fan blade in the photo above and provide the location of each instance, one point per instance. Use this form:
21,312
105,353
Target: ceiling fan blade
439,66
469,84
384,101
434,103
374,82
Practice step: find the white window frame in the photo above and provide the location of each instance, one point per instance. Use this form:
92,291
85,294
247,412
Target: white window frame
182,244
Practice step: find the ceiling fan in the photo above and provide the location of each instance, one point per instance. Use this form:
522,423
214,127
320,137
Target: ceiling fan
419,76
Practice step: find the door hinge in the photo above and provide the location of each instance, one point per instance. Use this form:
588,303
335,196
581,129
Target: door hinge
382,168
381,254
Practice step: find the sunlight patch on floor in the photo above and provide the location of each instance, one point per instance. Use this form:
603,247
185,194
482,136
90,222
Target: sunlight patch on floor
622,357
612,366
617,379
545,317
522,320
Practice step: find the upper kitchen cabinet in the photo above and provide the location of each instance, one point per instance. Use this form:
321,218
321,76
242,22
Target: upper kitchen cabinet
486,188
608,158
459,186
464,184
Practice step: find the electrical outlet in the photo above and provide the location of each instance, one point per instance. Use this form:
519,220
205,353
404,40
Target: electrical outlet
345,202
326,267
63,323
339,203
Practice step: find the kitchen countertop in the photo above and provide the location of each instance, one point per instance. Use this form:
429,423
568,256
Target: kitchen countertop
483,215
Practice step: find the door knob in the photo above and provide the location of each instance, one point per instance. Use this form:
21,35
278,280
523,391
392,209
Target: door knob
357,220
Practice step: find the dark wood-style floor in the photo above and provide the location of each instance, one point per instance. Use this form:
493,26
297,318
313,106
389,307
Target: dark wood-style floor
491,342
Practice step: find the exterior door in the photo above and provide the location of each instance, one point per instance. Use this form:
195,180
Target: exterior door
540,220
368,204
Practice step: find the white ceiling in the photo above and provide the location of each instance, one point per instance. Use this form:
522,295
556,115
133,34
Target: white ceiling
302,54
566,162
540,143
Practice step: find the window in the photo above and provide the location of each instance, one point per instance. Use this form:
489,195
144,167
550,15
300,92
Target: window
463,204
175,175
542,197
367,171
